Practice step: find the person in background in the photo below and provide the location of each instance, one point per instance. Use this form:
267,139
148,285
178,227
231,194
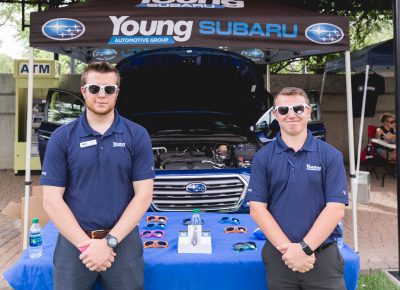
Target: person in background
297,196
98,182
387,133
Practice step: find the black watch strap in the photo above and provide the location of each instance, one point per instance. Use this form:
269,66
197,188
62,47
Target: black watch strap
306,248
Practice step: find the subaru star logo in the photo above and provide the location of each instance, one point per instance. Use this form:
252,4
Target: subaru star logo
253,54
63,29
104,53
196,187
324,33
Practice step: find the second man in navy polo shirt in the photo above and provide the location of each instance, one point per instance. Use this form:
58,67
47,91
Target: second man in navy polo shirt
98,183
297,195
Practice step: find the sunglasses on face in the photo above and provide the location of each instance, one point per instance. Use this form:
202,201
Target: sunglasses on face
188,221
298,109
155,244
155,226
107,89
156,218
229,220
239,247
391,122
155,234
242,230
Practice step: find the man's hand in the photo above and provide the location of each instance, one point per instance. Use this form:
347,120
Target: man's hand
295,258
97,256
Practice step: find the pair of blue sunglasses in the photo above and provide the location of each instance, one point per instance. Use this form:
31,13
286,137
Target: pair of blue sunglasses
229,220
155,226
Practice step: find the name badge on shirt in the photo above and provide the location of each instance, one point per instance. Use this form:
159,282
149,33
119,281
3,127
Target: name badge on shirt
88,143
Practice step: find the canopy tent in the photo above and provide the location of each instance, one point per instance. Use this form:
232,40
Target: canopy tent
112,30
379,56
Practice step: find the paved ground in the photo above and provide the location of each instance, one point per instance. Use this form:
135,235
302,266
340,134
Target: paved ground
377,225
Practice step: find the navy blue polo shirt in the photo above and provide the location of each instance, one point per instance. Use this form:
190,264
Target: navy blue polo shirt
97,170
297,185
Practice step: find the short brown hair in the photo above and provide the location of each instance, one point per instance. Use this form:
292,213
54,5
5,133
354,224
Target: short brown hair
292,91
101,67
386,116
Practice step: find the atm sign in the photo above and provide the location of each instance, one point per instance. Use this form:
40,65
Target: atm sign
38,68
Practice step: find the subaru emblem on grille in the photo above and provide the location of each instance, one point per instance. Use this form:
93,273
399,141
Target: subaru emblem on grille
196,187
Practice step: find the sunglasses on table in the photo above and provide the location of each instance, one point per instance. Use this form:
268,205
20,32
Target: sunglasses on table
155,226
107,89
239,247
155,244
156,218
188,221
230,230
229,220
298,109
150,233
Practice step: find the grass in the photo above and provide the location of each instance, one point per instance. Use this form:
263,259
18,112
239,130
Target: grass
376,281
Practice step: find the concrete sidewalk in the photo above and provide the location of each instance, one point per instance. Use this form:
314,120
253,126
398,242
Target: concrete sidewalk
377,225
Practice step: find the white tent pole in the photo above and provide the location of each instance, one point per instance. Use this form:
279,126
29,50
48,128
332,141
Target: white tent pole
268,79
28,147
351,148
322,87
362,118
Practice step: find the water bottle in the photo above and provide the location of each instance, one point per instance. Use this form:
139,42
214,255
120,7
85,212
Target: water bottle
35,239
339,240
196,225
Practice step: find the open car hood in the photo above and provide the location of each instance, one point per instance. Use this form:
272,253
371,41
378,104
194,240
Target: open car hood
192,79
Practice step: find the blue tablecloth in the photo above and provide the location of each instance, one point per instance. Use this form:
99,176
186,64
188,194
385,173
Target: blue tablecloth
166,269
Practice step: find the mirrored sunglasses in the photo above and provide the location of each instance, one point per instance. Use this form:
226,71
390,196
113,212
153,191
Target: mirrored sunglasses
229,220
155,226
155,244
156,218
239,247
150,233
188,221
229,230
298,109
107,89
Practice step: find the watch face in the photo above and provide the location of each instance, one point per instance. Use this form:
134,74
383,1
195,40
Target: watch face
112,242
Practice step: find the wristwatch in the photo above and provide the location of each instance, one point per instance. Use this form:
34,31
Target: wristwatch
112,241
306,248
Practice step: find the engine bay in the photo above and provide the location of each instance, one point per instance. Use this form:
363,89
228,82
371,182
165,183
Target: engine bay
204,156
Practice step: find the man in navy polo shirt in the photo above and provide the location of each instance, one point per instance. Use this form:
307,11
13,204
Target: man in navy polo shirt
297,195
98,183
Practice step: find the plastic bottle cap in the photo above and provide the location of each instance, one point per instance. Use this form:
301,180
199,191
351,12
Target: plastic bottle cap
35,220
196,210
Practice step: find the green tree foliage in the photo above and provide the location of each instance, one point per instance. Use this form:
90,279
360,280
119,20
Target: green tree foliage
6,64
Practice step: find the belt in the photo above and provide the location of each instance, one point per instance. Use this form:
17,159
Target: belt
323,247
97,234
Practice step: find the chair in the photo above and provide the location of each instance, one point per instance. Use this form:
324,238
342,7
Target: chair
372,159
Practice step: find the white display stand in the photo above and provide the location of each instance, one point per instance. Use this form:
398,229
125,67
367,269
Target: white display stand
203,241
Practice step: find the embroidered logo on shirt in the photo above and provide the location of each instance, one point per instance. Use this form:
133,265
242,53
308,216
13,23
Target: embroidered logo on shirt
44,173
313,167
118,144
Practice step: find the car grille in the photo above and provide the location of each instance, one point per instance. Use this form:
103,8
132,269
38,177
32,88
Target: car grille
223,193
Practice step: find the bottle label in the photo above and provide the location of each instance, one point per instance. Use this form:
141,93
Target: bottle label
35,240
